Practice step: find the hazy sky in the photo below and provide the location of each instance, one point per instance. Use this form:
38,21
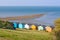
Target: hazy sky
29,2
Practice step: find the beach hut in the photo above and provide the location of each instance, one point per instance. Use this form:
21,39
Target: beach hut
15,25
20,26
33,27
48,29
26,26
40,28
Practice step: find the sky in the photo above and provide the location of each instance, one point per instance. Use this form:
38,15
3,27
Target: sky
29,2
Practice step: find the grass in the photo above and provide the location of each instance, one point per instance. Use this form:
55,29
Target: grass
6,34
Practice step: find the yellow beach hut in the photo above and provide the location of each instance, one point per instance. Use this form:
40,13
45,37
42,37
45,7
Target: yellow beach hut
26,26
48,29
33,27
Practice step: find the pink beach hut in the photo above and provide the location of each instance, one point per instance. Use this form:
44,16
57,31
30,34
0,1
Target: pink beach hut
48,29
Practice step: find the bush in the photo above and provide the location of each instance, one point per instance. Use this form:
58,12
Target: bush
57,29
6,25
57,24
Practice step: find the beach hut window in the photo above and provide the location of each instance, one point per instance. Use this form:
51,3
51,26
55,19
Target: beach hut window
26,26
33,27
40,28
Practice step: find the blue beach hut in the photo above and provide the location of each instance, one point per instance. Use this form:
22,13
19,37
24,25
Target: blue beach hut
15,25
20,26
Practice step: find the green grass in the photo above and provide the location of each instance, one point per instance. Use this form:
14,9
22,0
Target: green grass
6,34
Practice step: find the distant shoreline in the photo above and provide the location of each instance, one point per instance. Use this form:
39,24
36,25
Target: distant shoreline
22,17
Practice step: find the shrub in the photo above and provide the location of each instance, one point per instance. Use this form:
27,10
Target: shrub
57,29
6,25
57,24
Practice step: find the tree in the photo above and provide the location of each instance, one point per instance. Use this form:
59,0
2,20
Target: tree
1,24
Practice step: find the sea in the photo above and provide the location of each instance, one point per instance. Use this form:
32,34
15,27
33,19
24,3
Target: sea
51,13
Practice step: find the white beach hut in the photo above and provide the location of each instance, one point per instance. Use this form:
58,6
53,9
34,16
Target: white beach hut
26,26
40,28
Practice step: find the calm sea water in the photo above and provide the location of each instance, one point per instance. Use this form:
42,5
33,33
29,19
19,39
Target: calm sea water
51,13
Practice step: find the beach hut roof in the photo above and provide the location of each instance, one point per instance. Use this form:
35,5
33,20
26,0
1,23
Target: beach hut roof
43,25
33,26
26,24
